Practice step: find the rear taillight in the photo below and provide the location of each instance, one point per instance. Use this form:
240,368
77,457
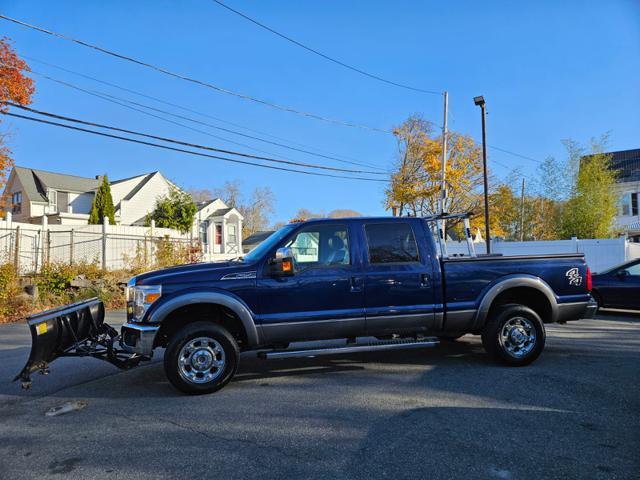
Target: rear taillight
589,283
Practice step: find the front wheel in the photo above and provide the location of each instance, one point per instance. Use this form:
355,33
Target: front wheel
514,334
201,358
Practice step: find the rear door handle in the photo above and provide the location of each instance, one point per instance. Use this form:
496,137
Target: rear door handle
425,280
355,287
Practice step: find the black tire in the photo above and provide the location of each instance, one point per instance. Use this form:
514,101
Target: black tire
206,344
598,298
506,328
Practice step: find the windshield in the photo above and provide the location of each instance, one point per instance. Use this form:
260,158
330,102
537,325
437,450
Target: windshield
270,242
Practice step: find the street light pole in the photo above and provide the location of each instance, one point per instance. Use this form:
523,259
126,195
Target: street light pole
481,103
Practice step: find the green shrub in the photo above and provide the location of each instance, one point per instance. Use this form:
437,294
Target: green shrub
55,278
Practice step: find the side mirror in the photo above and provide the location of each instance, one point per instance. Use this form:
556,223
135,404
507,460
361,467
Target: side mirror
283,265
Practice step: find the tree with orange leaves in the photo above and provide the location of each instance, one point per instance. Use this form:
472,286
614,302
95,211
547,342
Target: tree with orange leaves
15,87
415,183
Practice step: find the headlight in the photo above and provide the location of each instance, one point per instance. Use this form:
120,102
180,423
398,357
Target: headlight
142,297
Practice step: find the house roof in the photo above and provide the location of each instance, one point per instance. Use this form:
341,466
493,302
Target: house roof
257,237
221,212
35,183
139,186
626,163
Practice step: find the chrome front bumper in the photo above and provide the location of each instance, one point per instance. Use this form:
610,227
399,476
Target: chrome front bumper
137,338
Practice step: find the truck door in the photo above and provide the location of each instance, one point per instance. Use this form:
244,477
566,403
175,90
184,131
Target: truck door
324,298
398,278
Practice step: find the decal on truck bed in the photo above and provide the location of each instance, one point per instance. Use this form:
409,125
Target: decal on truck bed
574,277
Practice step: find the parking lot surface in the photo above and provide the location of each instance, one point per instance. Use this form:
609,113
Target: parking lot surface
446,412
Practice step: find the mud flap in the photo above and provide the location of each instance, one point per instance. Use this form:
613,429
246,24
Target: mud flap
75,330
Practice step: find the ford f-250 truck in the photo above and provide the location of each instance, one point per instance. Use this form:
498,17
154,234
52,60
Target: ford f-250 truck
388,278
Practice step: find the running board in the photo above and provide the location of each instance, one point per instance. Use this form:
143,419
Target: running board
351,348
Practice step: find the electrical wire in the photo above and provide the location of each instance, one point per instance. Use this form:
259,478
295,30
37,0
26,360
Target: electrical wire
187,144
127,104
206,115
326,57
194,80
181,150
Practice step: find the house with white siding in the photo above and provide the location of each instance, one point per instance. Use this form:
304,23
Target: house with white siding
42,197
626,164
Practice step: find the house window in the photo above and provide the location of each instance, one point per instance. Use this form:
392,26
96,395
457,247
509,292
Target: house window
218,234
629,204
16,202
53,201
204,226
233,238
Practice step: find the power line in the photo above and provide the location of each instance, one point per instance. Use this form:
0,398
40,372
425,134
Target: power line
326,57
515,154
187,144
194,80
125,103
181,150
328,155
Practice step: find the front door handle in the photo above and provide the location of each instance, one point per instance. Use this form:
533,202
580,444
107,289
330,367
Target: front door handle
355,284
425,280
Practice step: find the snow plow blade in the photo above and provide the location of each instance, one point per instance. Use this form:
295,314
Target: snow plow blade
75,330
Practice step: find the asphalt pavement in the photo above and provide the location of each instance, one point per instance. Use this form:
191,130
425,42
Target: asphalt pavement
443,413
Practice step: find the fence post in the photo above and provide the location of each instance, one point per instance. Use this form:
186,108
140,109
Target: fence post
574,241
38,248
48,251
71,247
105,222
16,250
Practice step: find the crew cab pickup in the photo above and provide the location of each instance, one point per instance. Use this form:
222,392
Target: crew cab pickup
389,278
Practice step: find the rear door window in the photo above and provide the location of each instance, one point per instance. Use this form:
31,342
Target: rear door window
391,243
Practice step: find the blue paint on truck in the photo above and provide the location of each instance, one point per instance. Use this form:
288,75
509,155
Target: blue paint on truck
344,279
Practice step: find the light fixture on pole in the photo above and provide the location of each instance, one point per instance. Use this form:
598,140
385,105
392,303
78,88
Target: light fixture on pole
479,101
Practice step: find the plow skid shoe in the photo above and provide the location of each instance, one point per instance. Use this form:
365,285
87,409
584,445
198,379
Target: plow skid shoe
77,329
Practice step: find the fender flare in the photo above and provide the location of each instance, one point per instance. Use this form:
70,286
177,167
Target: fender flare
218,298
514,281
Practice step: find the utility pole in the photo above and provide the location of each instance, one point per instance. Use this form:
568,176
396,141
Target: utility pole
522,212
443,175
479,101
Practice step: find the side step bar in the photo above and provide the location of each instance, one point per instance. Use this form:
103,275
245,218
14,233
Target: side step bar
351,348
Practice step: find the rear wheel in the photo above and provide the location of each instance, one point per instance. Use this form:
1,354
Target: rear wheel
201,358
514,334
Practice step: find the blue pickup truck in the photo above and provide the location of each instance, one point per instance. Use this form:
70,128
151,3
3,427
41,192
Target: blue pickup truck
343,279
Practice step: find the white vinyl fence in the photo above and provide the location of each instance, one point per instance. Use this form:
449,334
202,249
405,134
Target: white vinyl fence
112,247
600,254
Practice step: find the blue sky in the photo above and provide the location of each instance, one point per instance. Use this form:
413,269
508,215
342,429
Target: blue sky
549,70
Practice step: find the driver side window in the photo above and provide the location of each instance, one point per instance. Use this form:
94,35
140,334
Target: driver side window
320,245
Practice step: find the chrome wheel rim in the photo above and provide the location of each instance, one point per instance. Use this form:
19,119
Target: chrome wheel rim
518,337
201,360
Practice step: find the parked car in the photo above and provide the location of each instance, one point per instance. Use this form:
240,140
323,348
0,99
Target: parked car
618,287
324,279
